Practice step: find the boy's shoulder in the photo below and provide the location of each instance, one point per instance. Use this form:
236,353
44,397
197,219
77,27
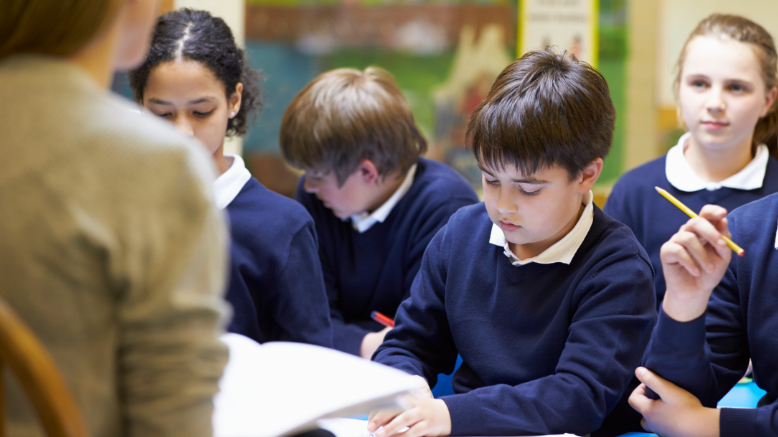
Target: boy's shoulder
260,214
611,237
436,183
468,226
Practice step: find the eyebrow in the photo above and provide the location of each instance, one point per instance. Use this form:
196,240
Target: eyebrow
526,180
191,102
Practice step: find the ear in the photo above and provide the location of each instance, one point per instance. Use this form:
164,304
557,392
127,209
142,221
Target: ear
235,100
768,101
368,172
589,176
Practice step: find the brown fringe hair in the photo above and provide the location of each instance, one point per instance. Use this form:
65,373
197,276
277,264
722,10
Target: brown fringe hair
345,116
544,109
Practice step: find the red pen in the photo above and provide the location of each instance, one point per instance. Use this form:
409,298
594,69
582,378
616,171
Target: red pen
382,319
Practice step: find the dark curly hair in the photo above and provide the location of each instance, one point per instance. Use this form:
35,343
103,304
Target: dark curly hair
199,36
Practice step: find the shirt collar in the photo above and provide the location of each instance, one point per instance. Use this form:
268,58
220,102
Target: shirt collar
364,221
563,250
680,174
228,184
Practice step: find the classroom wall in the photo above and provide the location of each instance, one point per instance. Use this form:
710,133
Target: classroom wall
233,12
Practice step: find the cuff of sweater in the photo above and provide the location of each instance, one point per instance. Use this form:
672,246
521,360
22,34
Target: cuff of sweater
673,335
465,419
348,338
737,422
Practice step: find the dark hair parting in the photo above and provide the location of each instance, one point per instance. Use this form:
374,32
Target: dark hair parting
199,36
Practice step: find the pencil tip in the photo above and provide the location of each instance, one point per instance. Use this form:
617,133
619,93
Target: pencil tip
658,190
742,252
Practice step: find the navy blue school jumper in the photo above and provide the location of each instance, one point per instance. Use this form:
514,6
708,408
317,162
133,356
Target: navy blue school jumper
276,286
373,270
707,356
546,348
653,219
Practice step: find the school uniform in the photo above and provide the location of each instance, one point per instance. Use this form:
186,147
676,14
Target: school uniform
370,260
548,344
707,356
635,202
276,287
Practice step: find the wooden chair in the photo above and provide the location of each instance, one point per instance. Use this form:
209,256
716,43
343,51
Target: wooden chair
40,379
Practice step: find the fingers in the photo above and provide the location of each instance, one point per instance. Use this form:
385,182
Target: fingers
673,252
645,426
380,418
717,216
638,400
408,418
705,231
699,253
654,382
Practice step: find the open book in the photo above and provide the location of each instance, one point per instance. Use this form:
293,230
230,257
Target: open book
280,388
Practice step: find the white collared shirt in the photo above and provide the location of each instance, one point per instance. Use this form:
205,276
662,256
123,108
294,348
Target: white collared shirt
680,174
563,250
364,221
227,186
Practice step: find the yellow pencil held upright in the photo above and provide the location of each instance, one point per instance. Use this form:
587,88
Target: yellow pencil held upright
737,249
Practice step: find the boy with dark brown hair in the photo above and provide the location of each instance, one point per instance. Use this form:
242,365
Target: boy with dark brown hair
548,301
376,203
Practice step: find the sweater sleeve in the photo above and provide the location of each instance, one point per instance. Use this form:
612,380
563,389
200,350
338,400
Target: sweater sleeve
421,342
705,356
300,303
607,336
171,311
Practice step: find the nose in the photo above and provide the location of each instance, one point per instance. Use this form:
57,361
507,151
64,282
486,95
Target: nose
715,103
505,204
184,126
310,185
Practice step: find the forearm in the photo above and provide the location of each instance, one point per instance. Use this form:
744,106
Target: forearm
550,405
749,422
677,352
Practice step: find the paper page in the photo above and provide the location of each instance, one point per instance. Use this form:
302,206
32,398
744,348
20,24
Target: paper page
278,388
358,428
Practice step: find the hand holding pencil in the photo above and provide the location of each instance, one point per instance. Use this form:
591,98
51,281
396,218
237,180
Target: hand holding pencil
694,261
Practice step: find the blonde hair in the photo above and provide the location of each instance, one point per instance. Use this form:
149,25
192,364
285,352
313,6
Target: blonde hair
743,30
53,27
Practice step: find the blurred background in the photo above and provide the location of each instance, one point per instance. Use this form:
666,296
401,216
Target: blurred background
445,55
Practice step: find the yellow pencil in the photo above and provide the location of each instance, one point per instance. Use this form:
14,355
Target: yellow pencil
738,250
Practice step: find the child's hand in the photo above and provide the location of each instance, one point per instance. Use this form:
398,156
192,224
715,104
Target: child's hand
677,414
694,261
426,417
371,341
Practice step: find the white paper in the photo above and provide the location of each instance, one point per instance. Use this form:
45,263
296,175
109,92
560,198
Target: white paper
281,388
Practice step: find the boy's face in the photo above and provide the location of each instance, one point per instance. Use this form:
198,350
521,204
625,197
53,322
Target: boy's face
535,211
353,197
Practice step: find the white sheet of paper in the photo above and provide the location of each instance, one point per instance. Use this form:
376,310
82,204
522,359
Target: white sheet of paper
358,428
280,388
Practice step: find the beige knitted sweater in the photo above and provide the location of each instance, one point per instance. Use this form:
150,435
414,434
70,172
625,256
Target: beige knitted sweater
111,250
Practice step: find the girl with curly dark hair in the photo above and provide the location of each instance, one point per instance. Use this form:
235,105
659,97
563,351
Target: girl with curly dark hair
197,78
